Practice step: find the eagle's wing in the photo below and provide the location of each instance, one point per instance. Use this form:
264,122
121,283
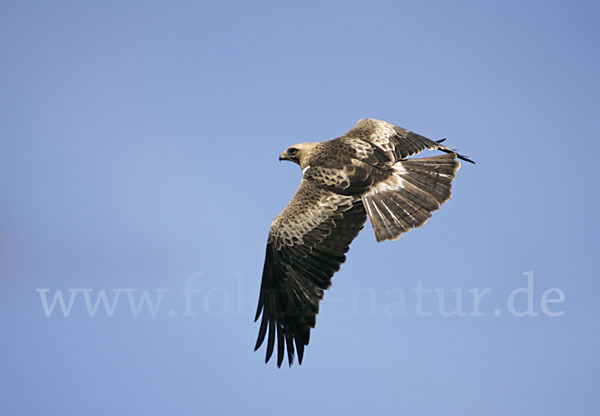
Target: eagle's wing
306,246
404,197
397,143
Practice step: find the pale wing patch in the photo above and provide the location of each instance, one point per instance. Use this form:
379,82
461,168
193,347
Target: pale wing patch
381,133
396,142
310,207
363,149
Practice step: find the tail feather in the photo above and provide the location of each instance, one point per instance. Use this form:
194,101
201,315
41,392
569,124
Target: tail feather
406,198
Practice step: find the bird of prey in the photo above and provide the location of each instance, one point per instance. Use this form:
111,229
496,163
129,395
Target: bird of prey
365,172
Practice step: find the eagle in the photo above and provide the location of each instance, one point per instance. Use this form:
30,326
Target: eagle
365,172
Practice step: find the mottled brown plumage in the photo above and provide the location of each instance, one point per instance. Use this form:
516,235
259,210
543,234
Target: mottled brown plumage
364,172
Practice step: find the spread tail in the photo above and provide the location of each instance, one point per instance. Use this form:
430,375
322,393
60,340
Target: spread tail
406,198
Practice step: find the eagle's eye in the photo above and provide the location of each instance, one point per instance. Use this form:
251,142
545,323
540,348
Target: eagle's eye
292,151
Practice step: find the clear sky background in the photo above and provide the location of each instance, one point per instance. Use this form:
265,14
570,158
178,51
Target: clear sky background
139,145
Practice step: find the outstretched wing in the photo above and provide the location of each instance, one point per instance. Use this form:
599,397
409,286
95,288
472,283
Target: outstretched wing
404,191
395,142
306,246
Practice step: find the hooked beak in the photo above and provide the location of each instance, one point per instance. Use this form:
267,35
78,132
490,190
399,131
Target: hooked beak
283,156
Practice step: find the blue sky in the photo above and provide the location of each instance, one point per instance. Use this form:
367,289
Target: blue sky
139,153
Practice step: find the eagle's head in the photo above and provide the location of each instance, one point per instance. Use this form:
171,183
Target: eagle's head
298,153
